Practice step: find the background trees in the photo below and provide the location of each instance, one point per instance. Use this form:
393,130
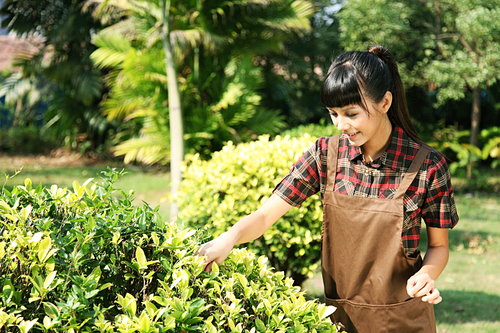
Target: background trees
450,48
246,68
61,71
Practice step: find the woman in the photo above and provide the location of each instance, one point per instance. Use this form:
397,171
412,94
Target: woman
377,181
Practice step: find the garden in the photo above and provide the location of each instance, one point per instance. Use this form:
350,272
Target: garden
132,132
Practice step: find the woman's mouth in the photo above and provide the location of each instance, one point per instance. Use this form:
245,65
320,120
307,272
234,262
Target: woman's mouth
352,136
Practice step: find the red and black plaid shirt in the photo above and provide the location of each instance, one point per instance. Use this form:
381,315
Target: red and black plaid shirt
430,196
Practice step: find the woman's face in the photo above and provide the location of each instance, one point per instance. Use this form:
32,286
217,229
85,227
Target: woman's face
360,125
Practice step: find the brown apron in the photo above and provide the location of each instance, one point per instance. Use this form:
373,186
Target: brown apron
365,268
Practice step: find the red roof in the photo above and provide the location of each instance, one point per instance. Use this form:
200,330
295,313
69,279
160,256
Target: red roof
12,47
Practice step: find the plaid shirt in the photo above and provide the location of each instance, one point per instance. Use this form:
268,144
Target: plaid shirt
430,196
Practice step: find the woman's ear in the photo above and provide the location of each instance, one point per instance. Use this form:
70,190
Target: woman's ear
386,102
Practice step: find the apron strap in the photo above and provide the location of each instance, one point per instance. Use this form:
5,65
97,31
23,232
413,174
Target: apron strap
333,149
411,173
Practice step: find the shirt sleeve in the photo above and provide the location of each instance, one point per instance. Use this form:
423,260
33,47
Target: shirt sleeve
303,180
439,210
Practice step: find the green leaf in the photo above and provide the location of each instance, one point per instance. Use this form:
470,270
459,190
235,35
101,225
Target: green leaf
49,279
28,184
144,323
260,325
44,249
51,310
141,258
8,291
25,326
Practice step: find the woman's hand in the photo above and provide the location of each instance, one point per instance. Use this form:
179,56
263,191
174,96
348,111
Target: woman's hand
421,284
217,250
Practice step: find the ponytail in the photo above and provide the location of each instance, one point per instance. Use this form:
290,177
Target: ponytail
398,113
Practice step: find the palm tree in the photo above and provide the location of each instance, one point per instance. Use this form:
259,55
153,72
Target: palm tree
201,39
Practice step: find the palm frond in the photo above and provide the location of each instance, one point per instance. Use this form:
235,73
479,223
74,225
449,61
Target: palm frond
152,146
148,149
112,50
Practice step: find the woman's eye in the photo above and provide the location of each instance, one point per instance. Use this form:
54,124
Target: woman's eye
351,115
333,114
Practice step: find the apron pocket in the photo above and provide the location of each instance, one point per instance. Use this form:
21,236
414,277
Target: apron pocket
411,316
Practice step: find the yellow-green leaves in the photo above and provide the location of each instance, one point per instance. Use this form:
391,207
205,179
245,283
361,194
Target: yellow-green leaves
215,194
141,261
90,261
45,250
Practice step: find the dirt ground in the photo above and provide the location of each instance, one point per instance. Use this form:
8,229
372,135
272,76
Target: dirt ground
57,158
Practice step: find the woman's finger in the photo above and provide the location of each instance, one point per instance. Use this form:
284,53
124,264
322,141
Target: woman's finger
208,268
425,290
415,286
433,297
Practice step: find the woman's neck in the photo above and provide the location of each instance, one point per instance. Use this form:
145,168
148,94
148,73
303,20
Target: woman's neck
374,148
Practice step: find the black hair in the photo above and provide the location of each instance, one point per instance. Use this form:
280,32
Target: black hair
373,72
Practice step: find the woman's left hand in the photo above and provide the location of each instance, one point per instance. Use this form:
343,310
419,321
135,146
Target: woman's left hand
422,285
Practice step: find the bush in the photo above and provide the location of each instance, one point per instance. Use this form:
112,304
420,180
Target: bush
25,140
87,260
314,130
215,194
455,145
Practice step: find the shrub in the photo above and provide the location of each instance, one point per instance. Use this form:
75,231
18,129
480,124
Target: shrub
25,140
87,260
215,194
314,130
455,145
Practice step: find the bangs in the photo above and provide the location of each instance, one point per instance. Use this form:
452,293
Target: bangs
341,87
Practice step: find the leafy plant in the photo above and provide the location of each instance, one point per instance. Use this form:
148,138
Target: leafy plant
86,260
215,194
214,45
455,145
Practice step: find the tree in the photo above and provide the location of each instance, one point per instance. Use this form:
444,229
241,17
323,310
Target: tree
175,114
200,39
62,65
453,45
294,73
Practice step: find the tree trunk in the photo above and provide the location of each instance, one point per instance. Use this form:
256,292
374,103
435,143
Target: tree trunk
474,128
175,115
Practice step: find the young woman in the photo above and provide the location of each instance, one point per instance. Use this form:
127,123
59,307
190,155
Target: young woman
377,180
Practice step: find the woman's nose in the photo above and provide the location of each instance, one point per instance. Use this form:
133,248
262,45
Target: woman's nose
342,124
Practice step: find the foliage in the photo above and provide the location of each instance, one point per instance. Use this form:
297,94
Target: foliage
87,260
215,194
60,74
314,130
454,44
294,73
214,44
455,145
25,140
467,49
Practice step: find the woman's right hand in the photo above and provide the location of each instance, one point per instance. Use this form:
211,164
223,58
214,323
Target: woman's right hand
217,250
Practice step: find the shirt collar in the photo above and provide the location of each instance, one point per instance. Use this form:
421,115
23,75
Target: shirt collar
394,155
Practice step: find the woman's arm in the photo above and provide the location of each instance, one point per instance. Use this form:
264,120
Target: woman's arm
245,230
436,258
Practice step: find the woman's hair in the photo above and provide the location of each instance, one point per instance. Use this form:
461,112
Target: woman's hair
373,72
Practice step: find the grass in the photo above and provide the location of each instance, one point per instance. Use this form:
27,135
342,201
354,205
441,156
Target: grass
470,284
149,185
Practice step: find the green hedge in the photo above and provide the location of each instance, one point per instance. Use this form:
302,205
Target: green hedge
215,194
314,130
87,260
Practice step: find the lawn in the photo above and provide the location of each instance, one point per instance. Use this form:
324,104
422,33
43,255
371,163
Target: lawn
470,284
149,184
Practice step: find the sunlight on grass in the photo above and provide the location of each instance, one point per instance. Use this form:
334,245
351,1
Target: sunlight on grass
151,186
